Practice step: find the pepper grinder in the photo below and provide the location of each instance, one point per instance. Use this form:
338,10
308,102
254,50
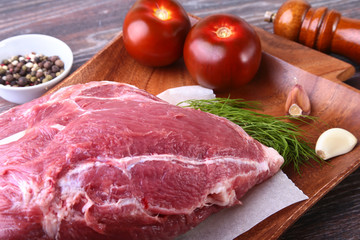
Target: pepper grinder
322,29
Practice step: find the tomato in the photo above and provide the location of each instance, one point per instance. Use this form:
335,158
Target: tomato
154,31
222,52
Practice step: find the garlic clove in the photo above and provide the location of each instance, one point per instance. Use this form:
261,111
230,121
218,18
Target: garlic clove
297,103
335,142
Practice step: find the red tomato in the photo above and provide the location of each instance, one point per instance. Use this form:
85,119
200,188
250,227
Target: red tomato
222,52
154,31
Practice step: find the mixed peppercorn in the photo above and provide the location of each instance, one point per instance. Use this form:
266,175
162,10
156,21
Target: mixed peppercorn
30,70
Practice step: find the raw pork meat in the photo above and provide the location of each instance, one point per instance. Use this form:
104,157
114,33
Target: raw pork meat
105,160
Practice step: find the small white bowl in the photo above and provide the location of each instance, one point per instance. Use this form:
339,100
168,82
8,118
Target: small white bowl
40,44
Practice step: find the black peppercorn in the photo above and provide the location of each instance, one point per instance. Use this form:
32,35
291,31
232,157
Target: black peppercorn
22,72
13,82
59,63
48,64
55,69
54,58
22,81
16,70
9,78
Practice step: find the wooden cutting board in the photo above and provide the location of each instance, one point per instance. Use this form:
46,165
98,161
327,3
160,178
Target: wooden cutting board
284,63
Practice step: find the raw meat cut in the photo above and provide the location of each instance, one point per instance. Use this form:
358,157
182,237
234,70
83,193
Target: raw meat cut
105,160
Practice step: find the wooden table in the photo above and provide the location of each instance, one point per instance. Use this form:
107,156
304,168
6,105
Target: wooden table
88,25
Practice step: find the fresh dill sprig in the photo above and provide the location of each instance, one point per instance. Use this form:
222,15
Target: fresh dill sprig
276,132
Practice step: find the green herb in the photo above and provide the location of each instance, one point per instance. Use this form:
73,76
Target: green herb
276,132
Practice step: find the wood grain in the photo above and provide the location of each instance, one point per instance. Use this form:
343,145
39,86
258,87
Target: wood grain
89,25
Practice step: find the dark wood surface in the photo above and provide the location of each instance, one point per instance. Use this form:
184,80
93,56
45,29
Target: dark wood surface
88,25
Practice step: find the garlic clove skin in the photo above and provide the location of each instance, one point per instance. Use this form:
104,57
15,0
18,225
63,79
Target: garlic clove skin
297,103
334,142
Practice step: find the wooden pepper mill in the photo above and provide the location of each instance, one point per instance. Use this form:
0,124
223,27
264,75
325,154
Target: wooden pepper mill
322,29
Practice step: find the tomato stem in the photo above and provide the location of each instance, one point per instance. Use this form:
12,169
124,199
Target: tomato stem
223,32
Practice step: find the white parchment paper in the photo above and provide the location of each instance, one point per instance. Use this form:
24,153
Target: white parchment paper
259,203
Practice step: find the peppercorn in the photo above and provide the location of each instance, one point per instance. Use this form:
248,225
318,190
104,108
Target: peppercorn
39,74
13,83
29,65
47,78
54,58
59,63
22,81
16,76
35,67
55,69
48,64
22,72
16,70
9,78
29,70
